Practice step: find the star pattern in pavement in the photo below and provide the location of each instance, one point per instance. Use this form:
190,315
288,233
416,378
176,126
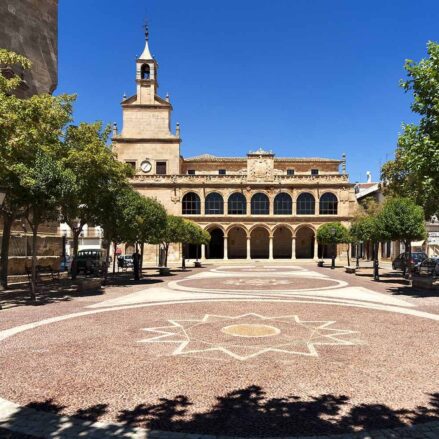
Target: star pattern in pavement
247,336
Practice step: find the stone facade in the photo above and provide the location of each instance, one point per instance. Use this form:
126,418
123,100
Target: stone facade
30,28
257,206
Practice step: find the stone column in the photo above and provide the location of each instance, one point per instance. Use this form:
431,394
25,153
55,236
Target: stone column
316,249
248,248
293,248
225,248
203,252
270,247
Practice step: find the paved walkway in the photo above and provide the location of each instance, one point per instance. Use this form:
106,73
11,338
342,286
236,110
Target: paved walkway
273,350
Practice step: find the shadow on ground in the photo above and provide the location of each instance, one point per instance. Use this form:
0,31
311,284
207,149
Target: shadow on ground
247,412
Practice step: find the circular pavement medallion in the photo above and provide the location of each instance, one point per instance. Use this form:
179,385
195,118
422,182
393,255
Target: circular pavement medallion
251,330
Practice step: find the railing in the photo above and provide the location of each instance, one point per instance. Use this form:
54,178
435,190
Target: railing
240,179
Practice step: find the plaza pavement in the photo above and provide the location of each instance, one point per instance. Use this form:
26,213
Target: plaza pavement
239,350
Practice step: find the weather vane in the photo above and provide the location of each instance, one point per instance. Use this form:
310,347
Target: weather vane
145,27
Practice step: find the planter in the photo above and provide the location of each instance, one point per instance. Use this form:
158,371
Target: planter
92,283
197,264
164,271
320,263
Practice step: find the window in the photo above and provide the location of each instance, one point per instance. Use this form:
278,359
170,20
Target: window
306,204
191,171
237,204
290,171
314,172
214,204
328,204
160,168
145,72
131,163
283,204
260,204
222,172
191,204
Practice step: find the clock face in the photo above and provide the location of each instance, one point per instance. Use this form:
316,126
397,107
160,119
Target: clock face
145,166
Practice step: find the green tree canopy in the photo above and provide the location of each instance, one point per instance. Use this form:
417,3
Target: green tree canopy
333,233
401,219
414,172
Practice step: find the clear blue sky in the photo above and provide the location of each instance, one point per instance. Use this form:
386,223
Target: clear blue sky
300,77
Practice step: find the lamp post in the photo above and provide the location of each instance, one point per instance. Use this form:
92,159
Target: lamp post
333,231
2,199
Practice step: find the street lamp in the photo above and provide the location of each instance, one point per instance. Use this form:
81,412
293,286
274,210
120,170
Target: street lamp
333,232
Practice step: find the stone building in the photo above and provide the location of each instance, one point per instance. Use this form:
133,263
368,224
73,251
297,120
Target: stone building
256,206
30,28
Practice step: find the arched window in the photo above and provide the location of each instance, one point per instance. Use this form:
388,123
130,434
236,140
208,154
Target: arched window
306,204
214,204
283,204
144,71
237,204
260,204
328,204
191,204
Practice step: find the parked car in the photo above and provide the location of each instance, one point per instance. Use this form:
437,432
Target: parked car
429,267
400,262
125,261
90,261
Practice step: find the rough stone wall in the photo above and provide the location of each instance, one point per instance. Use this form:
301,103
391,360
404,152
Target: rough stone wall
30,28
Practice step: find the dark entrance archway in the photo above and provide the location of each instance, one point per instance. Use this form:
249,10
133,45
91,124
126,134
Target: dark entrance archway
305,243
259,243
237,243
215,249
192,251
282,241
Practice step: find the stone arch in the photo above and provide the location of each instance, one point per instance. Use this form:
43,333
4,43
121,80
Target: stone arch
328,204
214,204
305,239
237,204
305,204
264,226
212,226
283,204
236,242
260,204
191,204
282,242
259,242
215,248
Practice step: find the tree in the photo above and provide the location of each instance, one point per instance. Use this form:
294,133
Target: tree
93,167
42,187
401,219
333,233
175,231
414,172
195,235
28,128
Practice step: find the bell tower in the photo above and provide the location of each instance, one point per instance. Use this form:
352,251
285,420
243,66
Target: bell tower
146,141
146,74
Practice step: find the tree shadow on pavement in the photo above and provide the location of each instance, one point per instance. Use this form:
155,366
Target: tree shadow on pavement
243,412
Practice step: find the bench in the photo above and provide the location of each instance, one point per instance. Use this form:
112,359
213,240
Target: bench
349,269
42,270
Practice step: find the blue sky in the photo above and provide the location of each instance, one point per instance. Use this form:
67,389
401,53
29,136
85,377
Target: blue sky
300,77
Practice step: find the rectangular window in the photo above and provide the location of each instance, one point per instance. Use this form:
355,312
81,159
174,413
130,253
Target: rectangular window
191,171
160,168
314,172
131,163
290,171
222,172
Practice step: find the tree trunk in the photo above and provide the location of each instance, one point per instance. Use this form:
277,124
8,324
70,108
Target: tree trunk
114,256
376,272
409,257
166,254
33,290
349,257
7,224
107,260
74,270
183,261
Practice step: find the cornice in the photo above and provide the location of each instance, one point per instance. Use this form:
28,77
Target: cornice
146,140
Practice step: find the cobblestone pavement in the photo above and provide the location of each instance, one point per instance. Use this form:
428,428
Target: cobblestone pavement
257,350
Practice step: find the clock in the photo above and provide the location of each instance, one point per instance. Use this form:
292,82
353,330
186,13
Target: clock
145,166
